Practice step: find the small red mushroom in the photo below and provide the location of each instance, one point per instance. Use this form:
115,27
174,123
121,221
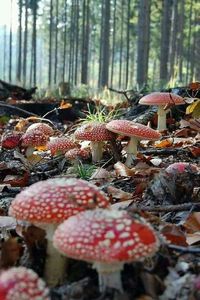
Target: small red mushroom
161,100
60,145
108,239
45,128
96,133
76,154
32,139
48,203
136,132
11,140
21,283
181,167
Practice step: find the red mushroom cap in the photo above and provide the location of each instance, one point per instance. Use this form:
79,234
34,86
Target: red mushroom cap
21,283
107,236
34,138
161,99
130,128
54,200
11,140
60,144
181,167
46,129
77,153
93,131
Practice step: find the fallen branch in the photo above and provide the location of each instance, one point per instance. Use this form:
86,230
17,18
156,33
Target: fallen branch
167,208
11,107
164,151
184,249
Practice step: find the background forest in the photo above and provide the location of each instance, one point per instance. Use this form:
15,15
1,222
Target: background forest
118,43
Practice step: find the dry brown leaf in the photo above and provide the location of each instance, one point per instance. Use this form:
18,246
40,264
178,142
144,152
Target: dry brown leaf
64,105
122,170
193,238
118,193
192,224
195,150
164,143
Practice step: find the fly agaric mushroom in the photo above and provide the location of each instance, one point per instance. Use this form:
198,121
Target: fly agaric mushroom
32,139
108,239
75,154
96,133
60,145
136,132
47,204
181,167
11,140
45,128
21,283
161,100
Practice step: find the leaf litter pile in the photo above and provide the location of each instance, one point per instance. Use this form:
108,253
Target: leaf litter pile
142,242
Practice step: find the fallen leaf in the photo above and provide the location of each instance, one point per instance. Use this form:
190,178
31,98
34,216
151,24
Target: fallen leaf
193,238
64,105
164,143
194,85
192,224
118,193
122,170
194,109
195,151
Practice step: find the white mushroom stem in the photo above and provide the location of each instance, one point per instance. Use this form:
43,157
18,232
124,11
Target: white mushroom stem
96,150
131,150
109,276
161,118
29,151
56,264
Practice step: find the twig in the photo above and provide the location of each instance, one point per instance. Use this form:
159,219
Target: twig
18,109
167,208
164,151
184,249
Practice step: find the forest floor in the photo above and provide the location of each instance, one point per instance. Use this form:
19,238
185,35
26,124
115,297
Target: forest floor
169,200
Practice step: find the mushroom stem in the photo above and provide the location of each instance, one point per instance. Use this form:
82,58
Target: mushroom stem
97,150
161,118
55,266
29,151
131,150
109,276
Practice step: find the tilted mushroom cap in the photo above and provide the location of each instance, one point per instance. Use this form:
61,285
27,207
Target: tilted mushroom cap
77,153
93,131
60,144
161,99
11,140
54,200
34,138
105,235
45,128
130,128
21,283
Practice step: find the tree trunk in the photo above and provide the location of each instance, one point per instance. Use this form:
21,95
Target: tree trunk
19,62
4,51
180,40
173,39
143,42
121,44
50,42
65,42
10,45
105,44
56,44
128,43
85,42
25,42
113,43
188,57
34,41
77,44
165,40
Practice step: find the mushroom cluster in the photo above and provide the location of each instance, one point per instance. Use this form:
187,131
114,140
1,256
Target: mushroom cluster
48,203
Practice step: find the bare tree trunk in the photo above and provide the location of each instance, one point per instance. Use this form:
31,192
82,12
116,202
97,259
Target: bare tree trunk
189,43
19,61
56,44
128,43
50,42
25,42
34,41
10,45
180,40
121,44
143,42
85,42
165,40
65,41
113,43
77,43
4,51
173,38
105,47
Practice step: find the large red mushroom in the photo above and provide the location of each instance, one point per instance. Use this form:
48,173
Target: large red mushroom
161,100
108,239
21,283
47,204
136,132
